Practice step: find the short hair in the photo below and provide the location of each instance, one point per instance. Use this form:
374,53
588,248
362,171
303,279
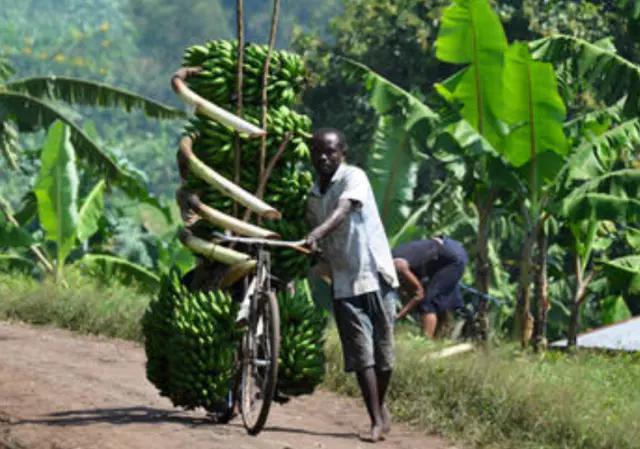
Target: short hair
321,132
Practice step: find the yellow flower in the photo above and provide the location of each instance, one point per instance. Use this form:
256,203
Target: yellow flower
27,50
78,61
43,55
104,27
106,43
59,57
103,71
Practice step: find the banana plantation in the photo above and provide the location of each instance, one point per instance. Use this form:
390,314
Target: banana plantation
511,126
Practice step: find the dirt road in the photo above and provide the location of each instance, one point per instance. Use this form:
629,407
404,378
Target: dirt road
63,391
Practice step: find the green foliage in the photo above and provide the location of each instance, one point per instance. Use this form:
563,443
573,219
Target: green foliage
532,107
91,212
471,34
86,306
611,76
624,274
75,91
57,191
107,268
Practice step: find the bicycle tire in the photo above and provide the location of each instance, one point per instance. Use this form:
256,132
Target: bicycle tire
268,311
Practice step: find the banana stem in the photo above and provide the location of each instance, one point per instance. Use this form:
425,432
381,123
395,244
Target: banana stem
227,221
272,163
211,250
216,180
6,211
209,109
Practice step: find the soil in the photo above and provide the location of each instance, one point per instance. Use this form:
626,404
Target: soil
59,390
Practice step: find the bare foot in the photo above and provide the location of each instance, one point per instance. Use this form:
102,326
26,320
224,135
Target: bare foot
386,420
374,435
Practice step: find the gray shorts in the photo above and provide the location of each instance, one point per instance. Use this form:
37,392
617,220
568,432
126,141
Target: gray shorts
365,325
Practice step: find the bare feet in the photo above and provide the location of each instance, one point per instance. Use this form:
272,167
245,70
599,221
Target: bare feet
386,420
376,434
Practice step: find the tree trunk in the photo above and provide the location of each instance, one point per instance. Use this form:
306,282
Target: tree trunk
482,262
542,293
574,324
578,298
523,321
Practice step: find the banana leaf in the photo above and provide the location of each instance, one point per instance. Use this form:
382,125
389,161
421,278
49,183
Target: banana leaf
471,34
532,107
614,309
12,262
57,191
12,236
89,93
91,211
612,76
393,163
31,114
107,267
600,206
623,273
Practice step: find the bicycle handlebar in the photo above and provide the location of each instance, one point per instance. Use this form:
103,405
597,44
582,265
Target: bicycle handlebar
297,245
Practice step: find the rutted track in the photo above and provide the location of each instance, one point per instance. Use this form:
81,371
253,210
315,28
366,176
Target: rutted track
63,391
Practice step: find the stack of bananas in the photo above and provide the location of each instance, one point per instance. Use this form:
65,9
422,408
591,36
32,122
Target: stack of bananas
301,366
190,343
191,337
290,180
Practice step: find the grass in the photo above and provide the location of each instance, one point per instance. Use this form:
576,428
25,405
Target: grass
496,400
507,399
86,306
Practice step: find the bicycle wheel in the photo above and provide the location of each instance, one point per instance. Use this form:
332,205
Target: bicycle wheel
261,347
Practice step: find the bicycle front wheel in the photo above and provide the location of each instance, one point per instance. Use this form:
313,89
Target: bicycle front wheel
261,348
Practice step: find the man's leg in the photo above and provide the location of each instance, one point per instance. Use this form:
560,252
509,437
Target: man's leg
429,324
368,382
383,378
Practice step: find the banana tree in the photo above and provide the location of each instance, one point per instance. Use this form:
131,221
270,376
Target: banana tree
535,113
471,35
32,104
64,223
393,162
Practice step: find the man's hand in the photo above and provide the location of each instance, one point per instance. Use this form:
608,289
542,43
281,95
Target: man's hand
311,242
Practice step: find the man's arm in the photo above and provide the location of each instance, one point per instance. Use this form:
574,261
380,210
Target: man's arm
411,283
345,206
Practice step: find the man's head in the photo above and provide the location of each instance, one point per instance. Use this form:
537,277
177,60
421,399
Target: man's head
328,150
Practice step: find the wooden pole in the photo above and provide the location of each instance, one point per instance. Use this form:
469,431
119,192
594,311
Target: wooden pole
265,83
239,93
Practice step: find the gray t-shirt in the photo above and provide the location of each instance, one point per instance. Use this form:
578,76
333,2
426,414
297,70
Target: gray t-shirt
357,251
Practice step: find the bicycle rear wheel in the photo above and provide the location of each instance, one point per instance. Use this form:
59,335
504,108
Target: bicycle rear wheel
260,347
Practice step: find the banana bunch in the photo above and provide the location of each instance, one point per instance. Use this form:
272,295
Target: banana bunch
190,342
301,366
290,179
217,81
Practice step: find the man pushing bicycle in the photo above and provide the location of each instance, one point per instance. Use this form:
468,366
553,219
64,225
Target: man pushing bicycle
347,228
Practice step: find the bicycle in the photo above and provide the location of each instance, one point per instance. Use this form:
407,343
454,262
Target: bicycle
467,324
260,343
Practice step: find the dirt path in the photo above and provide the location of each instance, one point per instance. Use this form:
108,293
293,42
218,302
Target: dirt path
63,391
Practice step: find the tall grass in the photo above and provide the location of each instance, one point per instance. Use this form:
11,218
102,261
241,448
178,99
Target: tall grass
86,305
504,399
